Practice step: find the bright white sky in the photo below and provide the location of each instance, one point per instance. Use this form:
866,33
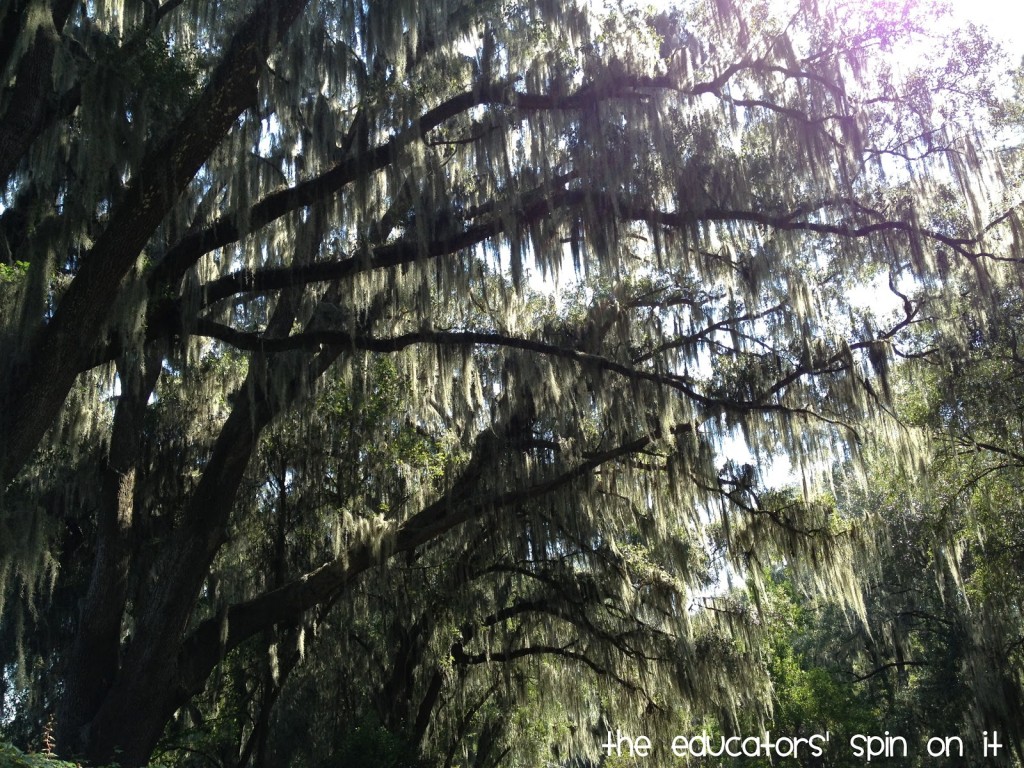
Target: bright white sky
1004,19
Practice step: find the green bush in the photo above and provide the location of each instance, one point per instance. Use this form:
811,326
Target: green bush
12,757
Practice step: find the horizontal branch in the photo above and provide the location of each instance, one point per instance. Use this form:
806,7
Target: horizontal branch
314,340
885,667
794,221
202,650
460,657
226,229
536,205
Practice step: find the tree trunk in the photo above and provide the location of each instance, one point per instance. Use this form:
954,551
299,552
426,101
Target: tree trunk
92,664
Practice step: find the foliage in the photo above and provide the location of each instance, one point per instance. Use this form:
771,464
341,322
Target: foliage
12,757
950,590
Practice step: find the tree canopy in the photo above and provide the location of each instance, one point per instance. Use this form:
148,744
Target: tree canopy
301,455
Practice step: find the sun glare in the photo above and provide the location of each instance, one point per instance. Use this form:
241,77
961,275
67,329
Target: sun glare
1004,20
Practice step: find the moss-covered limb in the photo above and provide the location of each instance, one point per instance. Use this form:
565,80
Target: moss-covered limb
45,368
463,502
32,99
94,657
185,562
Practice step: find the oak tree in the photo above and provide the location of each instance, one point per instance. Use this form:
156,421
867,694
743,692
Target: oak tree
276,361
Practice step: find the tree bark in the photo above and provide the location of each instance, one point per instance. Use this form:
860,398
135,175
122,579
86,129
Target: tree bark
38,382
149,686
33,96
92,664
141,699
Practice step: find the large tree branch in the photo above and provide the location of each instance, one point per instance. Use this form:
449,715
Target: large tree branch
534,207
165,317
313,340
36,387
766,399
795,220
30,105
226,229
213,637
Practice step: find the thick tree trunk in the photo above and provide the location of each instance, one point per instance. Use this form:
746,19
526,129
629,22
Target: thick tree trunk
148,689
149,685
159,673
92,664
162,669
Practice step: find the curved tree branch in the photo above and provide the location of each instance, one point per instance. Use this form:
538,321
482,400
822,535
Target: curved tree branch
42,377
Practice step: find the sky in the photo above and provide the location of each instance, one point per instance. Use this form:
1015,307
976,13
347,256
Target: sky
1004,19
